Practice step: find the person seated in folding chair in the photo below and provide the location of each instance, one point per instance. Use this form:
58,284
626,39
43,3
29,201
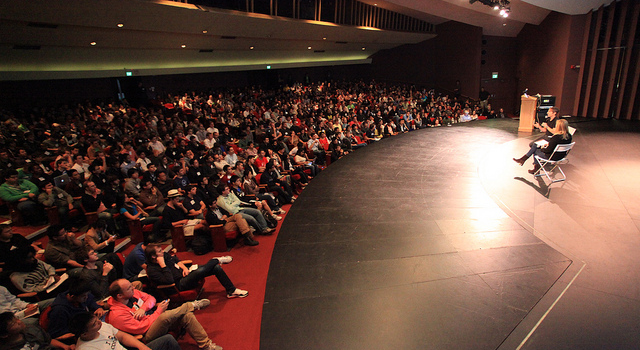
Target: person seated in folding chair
561,136
163,269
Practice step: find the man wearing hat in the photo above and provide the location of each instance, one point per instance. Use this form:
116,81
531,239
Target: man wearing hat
175,214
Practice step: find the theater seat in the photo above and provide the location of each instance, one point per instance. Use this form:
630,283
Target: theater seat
219,237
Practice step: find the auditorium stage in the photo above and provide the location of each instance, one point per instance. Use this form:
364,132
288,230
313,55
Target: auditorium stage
436,239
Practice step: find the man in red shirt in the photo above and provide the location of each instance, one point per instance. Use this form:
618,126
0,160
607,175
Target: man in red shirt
128,307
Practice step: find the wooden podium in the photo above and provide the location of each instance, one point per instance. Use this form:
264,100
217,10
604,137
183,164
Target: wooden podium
528,107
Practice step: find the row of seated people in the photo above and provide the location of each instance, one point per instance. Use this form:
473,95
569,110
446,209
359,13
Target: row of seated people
104,143
26,196
153,186
99,288
273,145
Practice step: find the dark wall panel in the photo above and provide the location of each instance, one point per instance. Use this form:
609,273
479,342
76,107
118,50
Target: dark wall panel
454,54
542,57
499,55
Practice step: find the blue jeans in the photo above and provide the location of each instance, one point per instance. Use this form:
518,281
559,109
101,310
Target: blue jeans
535,150
210,268
254,218
166,342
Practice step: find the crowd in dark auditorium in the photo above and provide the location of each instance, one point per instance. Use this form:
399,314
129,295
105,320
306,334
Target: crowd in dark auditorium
232,158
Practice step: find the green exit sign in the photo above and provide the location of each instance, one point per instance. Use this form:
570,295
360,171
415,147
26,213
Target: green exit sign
494,75
129,74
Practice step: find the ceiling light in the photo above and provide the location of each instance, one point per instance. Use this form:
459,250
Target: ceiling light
251,48
120,25
93,43
309,48
204,32
363,49
502,5
325,38
183,46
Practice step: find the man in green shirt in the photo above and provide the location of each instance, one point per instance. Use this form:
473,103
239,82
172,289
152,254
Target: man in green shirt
23,195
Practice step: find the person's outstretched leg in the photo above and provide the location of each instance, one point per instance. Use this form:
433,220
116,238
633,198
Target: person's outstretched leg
212,267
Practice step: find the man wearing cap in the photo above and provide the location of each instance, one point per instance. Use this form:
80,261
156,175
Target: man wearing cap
175,214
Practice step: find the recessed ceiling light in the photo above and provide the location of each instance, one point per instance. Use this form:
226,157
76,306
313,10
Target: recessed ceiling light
251,48
363,49
504,24
93,43
324,38
309,48
375,4
204,32
120,25
183,46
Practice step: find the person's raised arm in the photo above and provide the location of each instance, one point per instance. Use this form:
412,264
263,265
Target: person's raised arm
130,341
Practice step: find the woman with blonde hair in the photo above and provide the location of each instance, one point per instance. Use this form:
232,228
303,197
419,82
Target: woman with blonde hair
560,136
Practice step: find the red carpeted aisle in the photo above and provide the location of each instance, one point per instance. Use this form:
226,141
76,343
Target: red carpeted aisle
235,323
230,323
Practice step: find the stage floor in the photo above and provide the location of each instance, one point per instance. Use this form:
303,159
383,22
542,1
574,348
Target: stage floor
436,239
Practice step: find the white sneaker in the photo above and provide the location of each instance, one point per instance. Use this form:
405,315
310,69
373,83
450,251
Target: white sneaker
200,304
225,259
278,218
238,293
211,346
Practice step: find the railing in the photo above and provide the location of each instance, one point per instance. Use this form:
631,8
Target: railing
343,12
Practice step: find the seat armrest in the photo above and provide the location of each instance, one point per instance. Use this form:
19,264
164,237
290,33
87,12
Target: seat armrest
27,295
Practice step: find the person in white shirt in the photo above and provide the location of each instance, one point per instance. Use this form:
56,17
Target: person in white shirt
156,146
231,158
81,167
143,161
94,334
209,141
